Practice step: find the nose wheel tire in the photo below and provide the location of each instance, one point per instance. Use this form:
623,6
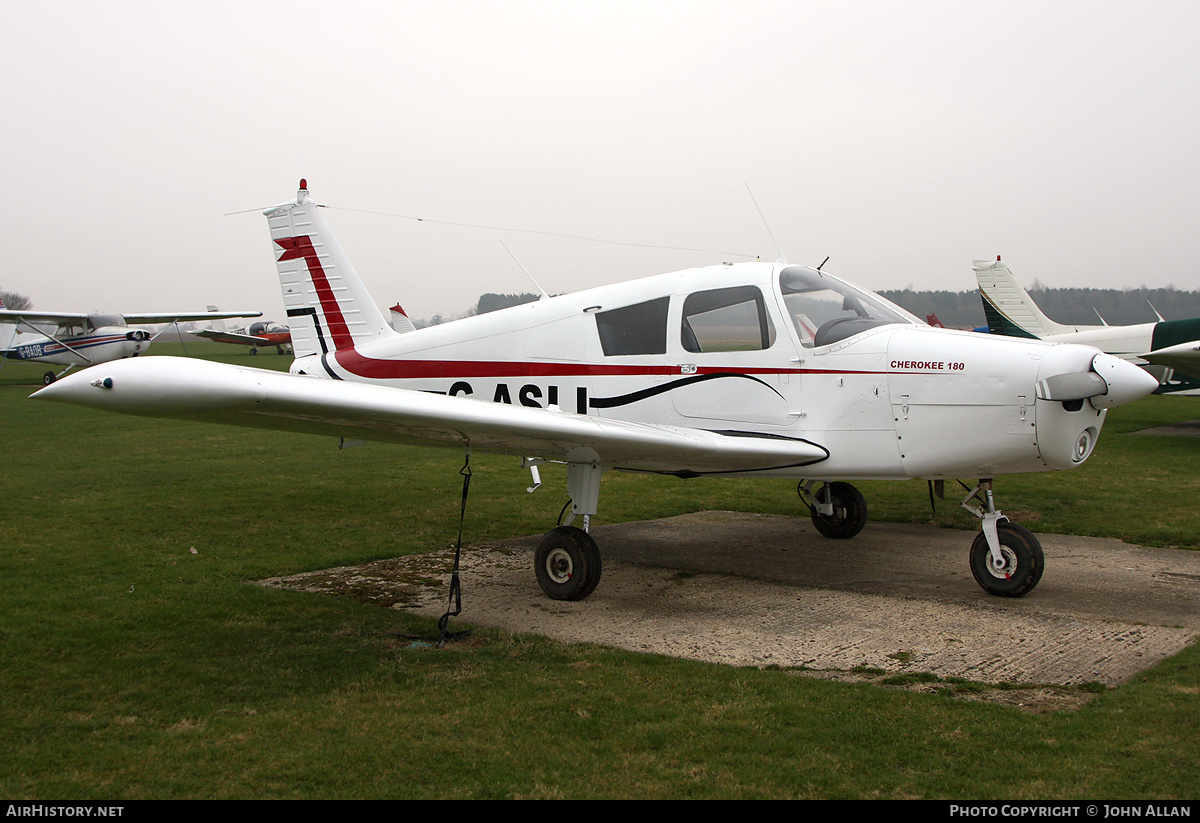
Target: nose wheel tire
849,511
567,563
1022,566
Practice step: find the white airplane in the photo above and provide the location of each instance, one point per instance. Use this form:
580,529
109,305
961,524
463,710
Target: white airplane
1162,348
75,339
748,369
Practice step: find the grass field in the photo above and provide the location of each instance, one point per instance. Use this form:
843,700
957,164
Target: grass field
139,662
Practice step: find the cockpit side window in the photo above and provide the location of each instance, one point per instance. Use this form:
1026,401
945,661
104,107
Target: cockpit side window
637,329
733,319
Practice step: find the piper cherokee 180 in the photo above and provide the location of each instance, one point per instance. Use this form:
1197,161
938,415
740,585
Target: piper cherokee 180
748,369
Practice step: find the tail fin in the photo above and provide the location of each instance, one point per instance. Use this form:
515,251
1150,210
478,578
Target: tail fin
1009,308
328,307
218,324
400,321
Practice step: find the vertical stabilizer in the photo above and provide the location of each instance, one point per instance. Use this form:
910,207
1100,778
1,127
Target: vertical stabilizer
1008,307
400,321
328,307
218,324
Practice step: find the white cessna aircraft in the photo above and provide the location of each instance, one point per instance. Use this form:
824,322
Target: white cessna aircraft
748,369
74,339
1162,348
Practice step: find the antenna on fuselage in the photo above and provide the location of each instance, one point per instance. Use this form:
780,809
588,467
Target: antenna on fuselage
761,216
527,274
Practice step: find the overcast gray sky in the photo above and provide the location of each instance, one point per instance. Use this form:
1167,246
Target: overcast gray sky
902,139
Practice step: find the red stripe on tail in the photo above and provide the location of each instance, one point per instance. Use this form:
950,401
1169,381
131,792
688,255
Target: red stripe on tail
301,247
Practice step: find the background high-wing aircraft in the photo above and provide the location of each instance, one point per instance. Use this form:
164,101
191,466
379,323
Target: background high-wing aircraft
1162,348
748,369
73,339
260,333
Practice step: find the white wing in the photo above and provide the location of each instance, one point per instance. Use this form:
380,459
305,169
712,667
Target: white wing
187,316
56,318
67,318
1184,357
216,392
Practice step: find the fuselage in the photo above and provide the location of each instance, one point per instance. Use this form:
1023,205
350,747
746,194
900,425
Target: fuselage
762,350
80,345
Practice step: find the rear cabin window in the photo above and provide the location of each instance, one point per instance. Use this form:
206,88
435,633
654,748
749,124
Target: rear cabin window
637,329
733,319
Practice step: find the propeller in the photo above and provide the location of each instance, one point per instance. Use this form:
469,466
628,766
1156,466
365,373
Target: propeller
1110,381
1074,386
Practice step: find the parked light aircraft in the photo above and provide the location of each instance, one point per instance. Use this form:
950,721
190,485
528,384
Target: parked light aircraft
74,339
1162,348
749,369
260,333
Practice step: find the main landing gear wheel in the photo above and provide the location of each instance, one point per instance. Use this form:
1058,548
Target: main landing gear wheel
48,378
567,563
1023,561
849,511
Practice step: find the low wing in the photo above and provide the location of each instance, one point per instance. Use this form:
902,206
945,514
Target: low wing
232,337
215,392
1184,357
188,316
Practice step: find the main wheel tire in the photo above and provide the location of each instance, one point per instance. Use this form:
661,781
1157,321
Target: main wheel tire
1023,561
567,563
849,511
48,378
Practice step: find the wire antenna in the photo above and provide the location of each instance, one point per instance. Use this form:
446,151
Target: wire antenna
761,216
527,274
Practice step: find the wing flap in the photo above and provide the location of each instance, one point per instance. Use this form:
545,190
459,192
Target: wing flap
216,392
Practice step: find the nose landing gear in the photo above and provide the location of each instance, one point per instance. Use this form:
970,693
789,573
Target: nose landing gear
1006,559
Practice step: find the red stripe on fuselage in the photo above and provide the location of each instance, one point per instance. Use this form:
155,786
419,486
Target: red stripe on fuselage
373,369
301,247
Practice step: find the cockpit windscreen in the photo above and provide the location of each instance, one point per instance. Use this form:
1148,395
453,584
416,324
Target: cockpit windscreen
825,309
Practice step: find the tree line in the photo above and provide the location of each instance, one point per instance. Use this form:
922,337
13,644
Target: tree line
1118,307
964,309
